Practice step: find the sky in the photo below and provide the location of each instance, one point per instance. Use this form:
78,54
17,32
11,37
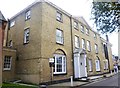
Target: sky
75,7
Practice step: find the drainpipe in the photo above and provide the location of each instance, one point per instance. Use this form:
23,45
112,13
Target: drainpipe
6,34
72,43
1,43
107,52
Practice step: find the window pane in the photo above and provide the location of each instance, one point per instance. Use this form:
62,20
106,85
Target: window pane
59,36
75,24
90,65
60,64
77,44
59,16
83,43
7,63
27,15
26,35
82,28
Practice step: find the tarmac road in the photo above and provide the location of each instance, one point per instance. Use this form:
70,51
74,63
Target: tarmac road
112,82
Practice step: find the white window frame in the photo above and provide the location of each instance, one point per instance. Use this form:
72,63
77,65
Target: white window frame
75,25
7,65
97,64
83,44
96,48
95,35
10,43
87,31
82,29
59,16
28,15
88,46
26,35
105,64
59,36
90,64
63,57
12,23
77,42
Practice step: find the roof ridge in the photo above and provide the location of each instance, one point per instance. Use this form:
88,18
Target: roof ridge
2,17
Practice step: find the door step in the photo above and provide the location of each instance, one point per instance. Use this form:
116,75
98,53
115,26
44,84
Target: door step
84,79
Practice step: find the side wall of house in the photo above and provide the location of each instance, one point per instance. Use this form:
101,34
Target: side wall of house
9,75
92,55
28,55
49,46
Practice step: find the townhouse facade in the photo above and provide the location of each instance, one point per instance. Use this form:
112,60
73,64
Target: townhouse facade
42,31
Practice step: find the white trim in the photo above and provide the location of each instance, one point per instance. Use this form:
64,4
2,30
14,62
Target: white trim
10,63
90,64
97,64
63,64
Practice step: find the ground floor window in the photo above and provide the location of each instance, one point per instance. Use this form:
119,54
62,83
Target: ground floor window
97,62
105,64
60,64
7,62
90,64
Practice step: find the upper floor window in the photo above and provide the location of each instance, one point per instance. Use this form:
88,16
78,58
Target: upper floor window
59,16
87,31
77,43
95,35
7,62
82,28
12,23
88,46
96,48
28,15
60,64
26,35
59,36
10,43
75,25
83,43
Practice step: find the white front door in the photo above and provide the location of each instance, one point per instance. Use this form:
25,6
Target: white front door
80,69
83,69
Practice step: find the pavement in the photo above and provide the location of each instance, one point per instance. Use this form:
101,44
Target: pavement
79,83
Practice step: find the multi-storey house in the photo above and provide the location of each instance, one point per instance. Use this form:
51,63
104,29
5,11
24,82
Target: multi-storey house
43,31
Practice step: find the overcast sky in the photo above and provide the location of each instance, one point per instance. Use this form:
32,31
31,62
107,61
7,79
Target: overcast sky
75,7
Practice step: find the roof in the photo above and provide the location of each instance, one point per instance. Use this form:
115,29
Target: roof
2,17
83,21
41,1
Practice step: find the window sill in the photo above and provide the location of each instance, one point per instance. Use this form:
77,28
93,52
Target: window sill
56,74
25,43
98,71
6,69
27,19
87,34
90,71
60,43
89,50
82,32
59,21
76,28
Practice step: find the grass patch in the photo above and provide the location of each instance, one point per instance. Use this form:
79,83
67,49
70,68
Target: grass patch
10,85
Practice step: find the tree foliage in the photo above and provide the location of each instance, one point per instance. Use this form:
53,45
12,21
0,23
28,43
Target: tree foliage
106,16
